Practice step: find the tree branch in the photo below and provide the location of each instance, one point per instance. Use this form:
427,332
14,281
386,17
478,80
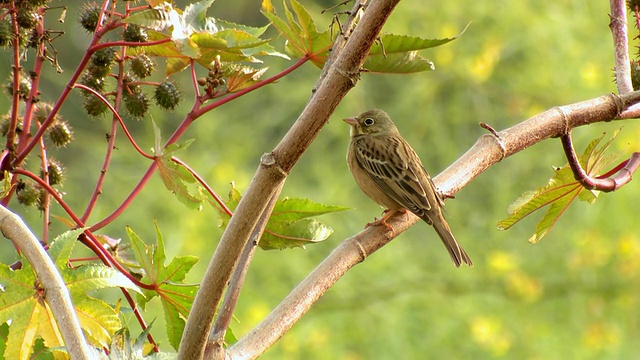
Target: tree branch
271,173
618,26
488,150
55,290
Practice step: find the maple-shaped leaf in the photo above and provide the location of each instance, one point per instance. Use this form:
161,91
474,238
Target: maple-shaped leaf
300,31
196,36
176,177
561,190
168,282
241,77
23,303
398,54
290,224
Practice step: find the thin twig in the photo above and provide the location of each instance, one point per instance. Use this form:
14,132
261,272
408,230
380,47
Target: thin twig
215,346
269,178
56,292
604,184
618,27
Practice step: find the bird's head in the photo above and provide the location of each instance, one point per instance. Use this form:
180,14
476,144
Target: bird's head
373,122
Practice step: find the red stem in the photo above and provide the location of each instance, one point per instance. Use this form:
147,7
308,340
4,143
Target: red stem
189,119
217,198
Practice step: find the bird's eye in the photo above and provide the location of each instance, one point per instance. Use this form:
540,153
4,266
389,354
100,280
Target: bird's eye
368,121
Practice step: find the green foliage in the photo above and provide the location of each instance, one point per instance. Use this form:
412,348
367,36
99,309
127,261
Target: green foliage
398,54
290,224
176,177
167,282
195,36
23,302
303,37
561,191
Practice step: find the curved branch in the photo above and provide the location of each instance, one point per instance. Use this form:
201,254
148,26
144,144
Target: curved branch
488,150
272,172
56,292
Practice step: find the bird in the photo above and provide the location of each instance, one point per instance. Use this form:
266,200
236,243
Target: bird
388,170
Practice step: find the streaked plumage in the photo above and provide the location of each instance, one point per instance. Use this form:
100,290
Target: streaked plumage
389,172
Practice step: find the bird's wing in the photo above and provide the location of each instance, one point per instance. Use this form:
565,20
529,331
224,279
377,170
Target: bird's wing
397,170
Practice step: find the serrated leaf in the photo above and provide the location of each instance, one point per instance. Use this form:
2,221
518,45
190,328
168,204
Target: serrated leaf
176,297
292,209
23,302
176,177
291,234
400,63
241,77
561,191
300,31
394,44
159,18
290,224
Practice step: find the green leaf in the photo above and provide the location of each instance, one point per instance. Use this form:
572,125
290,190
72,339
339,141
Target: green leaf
398,54
290,224
402,63
23,303
561,191
196,36
176,297
300,31
241,77
176,177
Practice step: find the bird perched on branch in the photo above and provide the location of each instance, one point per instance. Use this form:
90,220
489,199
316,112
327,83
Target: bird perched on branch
390,172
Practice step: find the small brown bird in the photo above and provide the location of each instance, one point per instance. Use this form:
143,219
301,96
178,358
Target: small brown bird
389,172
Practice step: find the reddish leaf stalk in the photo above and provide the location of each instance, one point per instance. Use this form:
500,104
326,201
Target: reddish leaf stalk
202,182
193,115
598,183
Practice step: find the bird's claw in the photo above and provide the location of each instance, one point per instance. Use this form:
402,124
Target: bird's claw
383,221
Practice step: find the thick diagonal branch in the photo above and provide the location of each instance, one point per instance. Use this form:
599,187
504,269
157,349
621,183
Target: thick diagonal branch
488,150
55,290
271,174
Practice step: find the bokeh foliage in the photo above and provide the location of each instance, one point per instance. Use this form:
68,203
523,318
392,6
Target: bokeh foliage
571,296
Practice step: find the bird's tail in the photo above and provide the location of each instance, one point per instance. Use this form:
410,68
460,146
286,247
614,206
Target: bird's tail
457,253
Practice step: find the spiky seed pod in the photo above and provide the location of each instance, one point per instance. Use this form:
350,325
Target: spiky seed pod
635,75
5,33
104,56
94,106
142,66
40,201
27,193
60,134
42,111
88,16
167,95
96,83
135,33
633,4
56,172
130,87
27,18
5,123
136,104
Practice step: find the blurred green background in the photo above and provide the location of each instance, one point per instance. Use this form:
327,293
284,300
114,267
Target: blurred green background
574,295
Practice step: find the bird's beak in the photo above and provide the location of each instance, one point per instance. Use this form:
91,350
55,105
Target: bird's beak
351,121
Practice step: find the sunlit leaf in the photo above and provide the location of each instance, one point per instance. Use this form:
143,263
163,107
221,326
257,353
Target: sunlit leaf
400,63
290,224
241,77
561,190
168,282
300,31
23,302
176,177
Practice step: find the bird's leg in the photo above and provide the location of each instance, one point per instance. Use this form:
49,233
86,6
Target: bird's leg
383,220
